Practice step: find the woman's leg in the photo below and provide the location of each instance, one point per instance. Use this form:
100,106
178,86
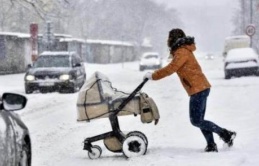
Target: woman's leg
197,112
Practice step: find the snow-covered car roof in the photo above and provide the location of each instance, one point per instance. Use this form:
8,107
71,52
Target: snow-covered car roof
150,53
55,53
241,54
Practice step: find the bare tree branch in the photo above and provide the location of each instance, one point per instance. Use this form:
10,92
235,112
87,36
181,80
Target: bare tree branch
37,6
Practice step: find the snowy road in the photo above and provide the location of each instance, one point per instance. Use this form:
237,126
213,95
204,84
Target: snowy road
57,136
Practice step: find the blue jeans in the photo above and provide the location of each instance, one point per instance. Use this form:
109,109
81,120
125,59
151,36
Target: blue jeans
197,110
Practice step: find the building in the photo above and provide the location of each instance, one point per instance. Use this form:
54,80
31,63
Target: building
15,52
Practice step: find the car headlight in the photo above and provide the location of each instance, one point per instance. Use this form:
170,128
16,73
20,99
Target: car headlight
30,77
64,77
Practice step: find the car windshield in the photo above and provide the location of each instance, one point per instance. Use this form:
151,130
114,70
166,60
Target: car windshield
150,56
52,61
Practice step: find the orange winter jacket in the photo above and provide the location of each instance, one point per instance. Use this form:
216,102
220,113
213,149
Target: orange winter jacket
187,68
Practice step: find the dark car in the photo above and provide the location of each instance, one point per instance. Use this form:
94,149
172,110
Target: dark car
15,143
55,71
241,62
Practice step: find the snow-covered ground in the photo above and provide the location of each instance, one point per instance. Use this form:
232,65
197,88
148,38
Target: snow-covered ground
57,137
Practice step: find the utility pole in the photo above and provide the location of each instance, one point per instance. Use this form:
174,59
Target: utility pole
243,15
251,21
251,11
48,36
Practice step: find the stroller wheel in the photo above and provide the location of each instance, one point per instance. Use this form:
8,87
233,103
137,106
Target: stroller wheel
96,152
134,145
138,133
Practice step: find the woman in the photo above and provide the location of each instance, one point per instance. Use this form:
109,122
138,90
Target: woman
195,83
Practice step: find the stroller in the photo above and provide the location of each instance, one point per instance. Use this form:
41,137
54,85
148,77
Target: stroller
98,99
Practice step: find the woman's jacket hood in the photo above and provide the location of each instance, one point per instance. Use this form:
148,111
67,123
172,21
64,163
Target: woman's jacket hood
182,42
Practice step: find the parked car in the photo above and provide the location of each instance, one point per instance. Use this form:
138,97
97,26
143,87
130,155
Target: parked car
150,60
55,71
241,62
15,142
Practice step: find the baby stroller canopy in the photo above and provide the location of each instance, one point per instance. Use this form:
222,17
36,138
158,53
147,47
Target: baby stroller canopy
98,98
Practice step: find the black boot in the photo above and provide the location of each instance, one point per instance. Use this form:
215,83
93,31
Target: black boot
211,148
228,137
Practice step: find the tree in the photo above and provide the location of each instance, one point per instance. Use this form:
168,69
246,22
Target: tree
5,14
246,14
122,20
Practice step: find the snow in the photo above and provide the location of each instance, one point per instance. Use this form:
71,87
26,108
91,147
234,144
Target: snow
57,138
56,53
241,54
20,35
108,42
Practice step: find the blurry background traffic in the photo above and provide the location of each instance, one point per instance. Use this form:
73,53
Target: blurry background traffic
119,31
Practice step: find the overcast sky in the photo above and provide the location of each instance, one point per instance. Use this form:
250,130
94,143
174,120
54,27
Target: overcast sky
208,21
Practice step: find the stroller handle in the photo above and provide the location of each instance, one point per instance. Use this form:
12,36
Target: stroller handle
131,96
141,84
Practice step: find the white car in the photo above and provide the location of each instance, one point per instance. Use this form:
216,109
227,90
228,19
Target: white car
241,62
150,60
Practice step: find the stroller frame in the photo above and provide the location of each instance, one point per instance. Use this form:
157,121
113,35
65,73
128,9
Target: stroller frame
113,118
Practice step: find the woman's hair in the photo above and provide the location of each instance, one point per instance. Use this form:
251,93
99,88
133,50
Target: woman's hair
174,34
177,38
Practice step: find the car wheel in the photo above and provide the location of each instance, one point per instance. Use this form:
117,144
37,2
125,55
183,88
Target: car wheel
28,90
73,89
255,72
25,155
141,68
227,76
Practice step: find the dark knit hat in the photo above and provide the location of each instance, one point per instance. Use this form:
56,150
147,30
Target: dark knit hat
175,34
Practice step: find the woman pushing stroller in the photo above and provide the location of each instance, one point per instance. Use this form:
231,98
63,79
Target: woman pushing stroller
195,83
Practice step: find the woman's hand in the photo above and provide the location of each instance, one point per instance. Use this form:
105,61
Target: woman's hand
148,75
